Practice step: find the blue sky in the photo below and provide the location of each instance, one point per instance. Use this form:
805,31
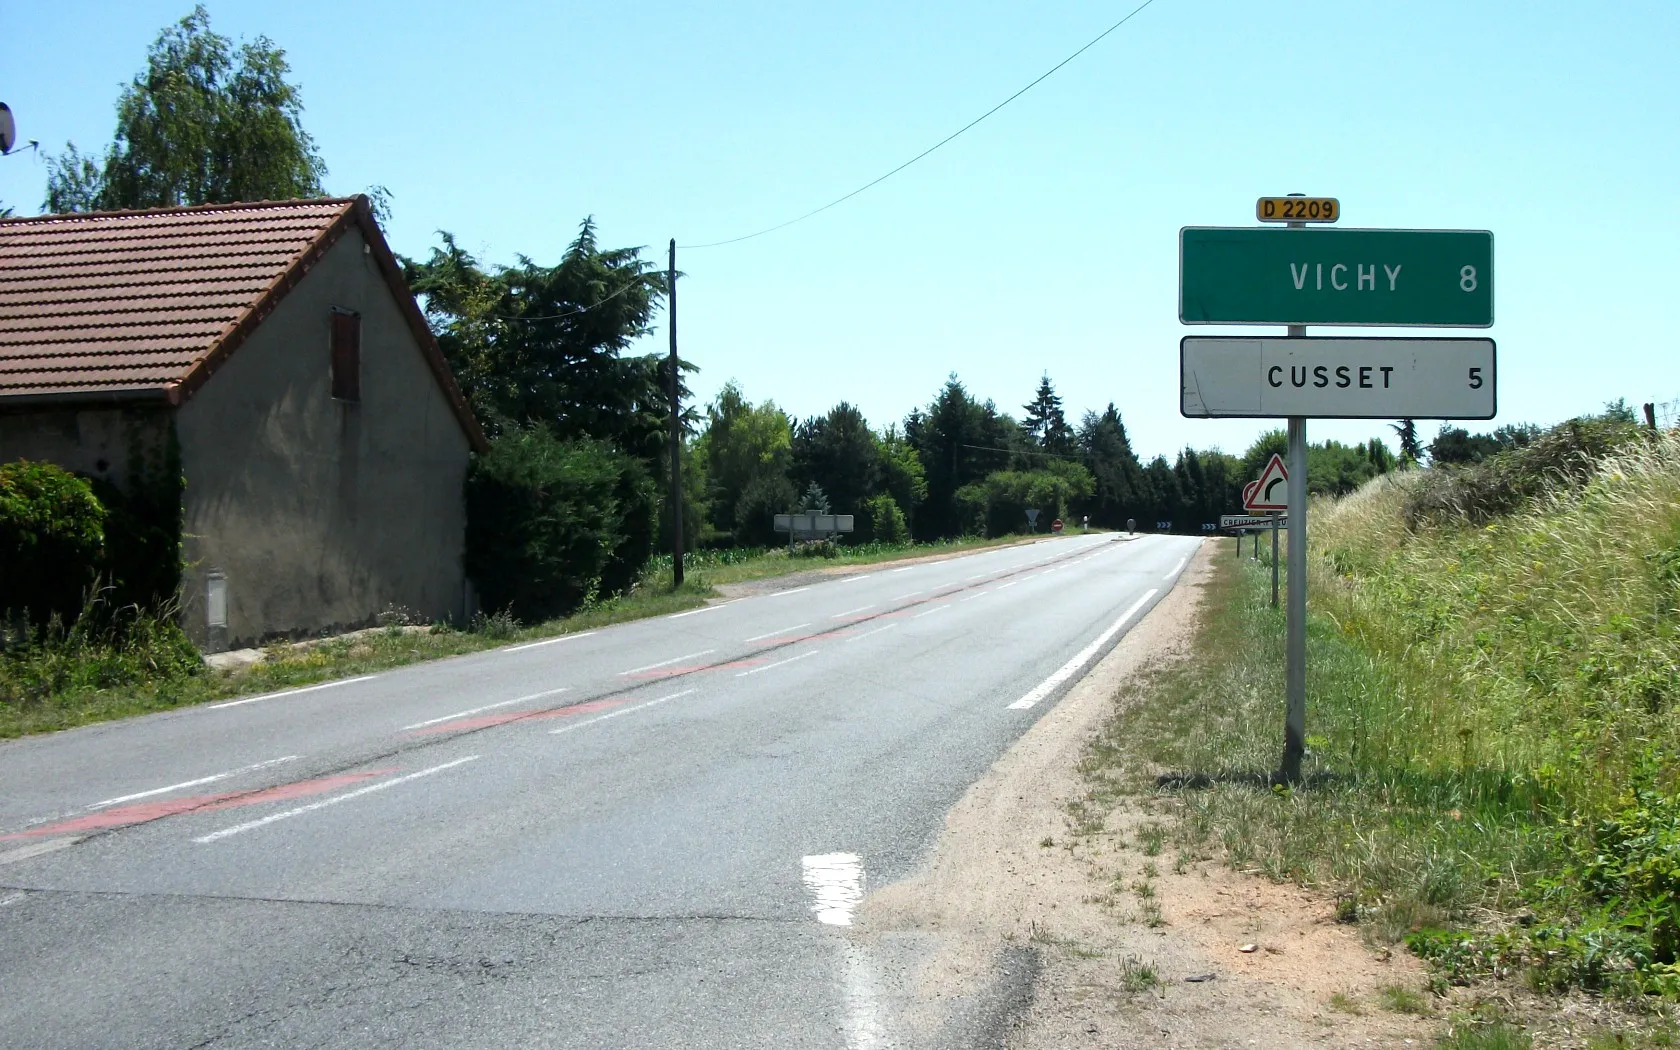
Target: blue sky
1043,240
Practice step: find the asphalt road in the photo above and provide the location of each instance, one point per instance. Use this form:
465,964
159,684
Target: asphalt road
650,835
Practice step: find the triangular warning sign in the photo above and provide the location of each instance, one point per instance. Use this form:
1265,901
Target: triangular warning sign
1249,490
1271,492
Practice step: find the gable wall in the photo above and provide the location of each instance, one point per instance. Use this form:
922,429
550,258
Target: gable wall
321,514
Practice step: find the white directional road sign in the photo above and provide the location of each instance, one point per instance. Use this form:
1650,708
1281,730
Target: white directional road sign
1337,378
1250,521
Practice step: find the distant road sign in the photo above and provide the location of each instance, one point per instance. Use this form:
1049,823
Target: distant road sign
1337,378
1056,526
1250,521
1404,278
1272,490
1297,209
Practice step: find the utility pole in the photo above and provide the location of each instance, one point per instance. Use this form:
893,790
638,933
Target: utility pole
676,426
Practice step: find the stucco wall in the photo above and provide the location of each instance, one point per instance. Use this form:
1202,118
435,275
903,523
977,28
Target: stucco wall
98,442
319,513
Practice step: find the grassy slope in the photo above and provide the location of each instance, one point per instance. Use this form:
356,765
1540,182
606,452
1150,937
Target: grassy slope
1489,716
67,686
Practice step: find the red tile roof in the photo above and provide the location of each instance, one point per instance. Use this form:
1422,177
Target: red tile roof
147,304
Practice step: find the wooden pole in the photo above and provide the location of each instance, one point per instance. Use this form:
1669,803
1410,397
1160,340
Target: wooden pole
676,427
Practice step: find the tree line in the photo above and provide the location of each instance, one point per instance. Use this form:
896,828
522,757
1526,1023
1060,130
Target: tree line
567,504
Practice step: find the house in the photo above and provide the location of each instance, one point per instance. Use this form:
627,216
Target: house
271,356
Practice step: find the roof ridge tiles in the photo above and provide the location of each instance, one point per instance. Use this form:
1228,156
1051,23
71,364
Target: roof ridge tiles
186,209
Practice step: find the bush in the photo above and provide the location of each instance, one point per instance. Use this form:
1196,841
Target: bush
1563,457
756,510
884,521
550,523
100,651
52,534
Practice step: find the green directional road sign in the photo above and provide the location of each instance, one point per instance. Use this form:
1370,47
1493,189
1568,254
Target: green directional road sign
1266,275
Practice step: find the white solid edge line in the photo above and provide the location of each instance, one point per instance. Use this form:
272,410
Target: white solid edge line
780,594
335,800
548,641
193,783
866,634
487,707
615,714
778,663
1177,567
930,612
667,663
291,692
772,634
1080,659
852,612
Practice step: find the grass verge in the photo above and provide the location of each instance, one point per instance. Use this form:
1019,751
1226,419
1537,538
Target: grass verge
1491,769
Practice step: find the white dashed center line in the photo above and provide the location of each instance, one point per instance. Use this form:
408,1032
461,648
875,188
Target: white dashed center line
548,641
772,634
668,663
481,710
291,692
852,612
335,800
193,783
622,711
778,663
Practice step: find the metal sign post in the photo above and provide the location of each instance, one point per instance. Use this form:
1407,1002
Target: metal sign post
1295,613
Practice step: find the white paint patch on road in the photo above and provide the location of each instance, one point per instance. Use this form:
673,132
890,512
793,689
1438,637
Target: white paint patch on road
487,707
211,779
772,634
784,594
291,692
1080,659
703,609
860,988
835,882
778,663
36,849
621,711
549,641
1177,567
866,634
852,612
333,801
668,663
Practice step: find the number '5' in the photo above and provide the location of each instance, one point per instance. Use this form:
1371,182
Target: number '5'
1475,379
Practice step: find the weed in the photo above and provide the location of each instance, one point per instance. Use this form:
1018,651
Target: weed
1397,998
1151,835
1342,1003
1137,975
1145,890
1497,1035
1149,869
1150,912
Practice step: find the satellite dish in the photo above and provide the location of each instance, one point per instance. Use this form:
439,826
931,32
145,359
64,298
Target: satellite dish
8,128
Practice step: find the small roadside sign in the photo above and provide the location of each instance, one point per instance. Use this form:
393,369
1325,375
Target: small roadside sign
1032,517
1297,209
1337,378
1056,526
1272,490
1250,521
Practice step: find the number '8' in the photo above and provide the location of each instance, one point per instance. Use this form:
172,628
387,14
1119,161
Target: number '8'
1467,278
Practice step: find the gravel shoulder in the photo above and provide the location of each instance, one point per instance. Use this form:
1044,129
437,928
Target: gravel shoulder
1014,874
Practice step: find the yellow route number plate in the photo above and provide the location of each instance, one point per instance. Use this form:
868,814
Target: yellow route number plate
1297,209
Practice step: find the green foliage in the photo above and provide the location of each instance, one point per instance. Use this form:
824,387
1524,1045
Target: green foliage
204,124
1043,422
1504,482
1118,491
838,453
883,522
52,538
998,503
544,345
1631,862
748,450
553,524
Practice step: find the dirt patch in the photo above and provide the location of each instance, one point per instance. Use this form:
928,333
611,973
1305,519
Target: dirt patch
1118,921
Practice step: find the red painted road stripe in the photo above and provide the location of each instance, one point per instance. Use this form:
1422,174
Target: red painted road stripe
485,721
145,812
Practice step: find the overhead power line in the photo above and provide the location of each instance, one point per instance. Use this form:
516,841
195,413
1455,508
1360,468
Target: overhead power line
880,179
